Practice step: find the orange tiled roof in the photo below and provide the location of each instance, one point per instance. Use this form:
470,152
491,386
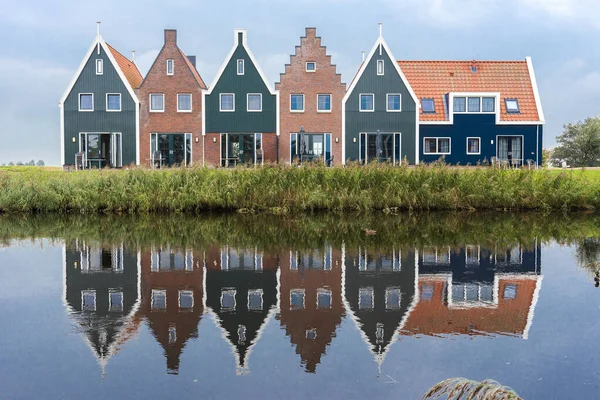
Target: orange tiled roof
434,79
194,70
128,67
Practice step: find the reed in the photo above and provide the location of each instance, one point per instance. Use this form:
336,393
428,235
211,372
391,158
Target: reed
295,190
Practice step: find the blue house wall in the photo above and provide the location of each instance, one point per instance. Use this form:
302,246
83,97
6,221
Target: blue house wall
483,126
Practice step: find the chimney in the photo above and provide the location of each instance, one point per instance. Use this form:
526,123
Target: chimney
363,56
98,27
192,60
381,29
133,55
171,36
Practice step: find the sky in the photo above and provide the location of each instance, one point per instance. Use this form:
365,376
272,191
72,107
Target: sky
44,43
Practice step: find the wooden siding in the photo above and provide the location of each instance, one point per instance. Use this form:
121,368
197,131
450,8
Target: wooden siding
403,122
482,126
241,121
99,120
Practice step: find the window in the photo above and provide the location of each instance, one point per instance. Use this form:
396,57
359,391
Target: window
428,106
184,102
255,300
86,102
99,66
228,299
426,292
296,299
393,102
254,102
172,334
113,102
170,67
324,298
380,67
157,102
159,299
474,104
88,300
488,104
393,297
510,292
473,144
240,67
367,102
324,103
436,146
186,299
365,298
311,334
115,301
311,66
460,104
297,102
512,106
227,102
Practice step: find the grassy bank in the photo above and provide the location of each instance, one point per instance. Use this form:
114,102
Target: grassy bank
292,190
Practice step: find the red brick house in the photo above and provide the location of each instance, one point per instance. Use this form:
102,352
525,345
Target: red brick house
311,93
171,108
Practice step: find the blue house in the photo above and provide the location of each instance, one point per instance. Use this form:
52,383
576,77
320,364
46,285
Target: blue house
477,111
99,111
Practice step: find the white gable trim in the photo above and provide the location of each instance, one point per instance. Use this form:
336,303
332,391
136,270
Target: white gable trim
230,55
536,93
97,43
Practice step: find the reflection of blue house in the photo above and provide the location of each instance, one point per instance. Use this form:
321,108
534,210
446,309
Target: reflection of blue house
476,111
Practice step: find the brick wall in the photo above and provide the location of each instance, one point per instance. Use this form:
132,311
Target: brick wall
170,121
325,80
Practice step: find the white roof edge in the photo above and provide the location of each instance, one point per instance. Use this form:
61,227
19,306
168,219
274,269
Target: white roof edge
536,93
236,43
99,40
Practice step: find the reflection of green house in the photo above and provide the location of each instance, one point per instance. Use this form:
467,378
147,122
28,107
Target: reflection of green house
102,294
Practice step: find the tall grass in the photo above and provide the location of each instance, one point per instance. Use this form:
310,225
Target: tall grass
295,189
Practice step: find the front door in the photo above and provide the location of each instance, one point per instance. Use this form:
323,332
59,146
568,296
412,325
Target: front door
387,150
510,150
172,149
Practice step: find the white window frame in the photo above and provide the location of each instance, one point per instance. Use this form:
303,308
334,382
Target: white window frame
480,95
256,292
360,102
231,292
370,290
170,60
330,102
248,102
382,64
326,292
472,153
472,247
298,291
185,292
237,66
436,145
120,104
311,70
79,102
506,100
387,102
89,292
150,102
432,101
221,102
191,104
158,292
303,102
110,303
99,63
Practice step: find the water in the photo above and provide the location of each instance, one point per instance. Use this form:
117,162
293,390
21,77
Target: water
265,307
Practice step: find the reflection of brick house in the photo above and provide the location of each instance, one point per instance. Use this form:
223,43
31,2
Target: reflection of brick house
172,298
476,291
379,289
311,93
241,295
101,292
311,306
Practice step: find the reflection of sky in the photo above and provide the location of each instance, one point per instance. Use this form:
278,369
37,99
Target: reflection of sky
41,353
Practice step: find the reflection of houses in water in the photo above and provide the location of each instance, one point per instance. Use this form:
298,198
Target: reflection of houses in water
476,290
241,293
379,290
311,305
172,298
102,294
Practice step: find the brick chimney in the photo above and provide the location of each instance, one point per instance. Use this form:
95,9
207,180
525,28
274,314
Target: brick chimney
171,36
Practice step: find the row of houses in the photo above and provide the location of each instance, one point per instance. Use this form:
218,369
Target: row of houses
389,293
467,112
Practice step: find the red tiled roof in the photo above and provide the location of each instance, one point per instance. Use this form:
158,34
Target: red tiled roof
194,70
130,70
434,79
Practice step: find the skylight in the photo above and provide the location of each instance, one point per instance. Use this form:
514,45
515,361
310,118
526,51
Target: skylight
428,106
512,106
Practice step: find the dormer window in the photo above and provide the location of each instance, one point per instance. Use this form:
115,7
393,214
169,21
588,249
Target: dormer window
488,104
474,104
99,66
380,67
240,67
460,104
512,106
170,67
311,66
428,106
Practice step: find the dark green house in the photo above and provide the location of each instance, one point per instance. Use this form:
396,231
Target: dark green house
99,112
240,111
380,112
